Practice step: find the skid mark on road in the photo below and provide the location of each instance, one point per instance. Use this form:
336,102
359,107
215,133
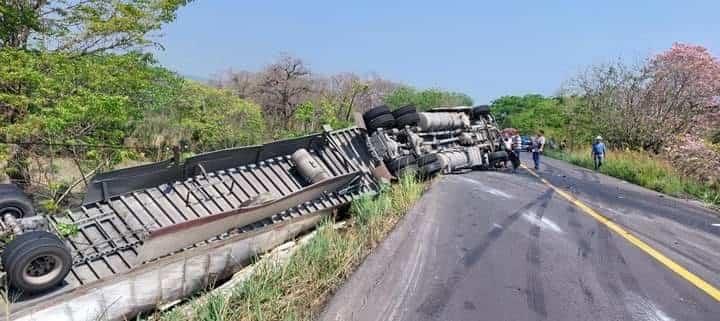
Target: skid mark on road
436,300
609,268
484,188
673,266
583,241
535,294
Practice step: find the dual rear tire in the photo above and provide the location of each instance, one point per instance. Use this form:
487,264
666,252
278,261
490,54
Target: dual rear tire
406,116
381,117
36,261
378,117
14,202
424,167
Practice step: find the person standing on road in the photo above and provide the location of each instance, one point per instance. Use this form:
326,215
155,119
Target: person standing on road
598,152
538,144
507,143
517,144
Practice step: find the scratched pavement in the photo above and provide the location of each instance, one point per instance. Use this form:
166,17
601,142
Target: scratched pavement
501,246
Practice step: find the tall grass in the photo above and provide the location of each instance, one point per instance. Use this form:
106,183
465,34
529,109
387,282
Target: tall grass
645,170
298,289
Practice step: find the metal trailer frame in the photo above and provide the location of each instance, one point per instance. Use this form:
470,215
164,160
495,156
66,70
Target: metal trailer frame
123,207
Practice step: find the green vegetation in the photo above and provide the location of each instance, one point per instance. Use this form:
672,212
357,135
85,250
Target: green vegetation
562,118
84,27
91,99
201,118
67,229
570,119
645,170
297,290
426,99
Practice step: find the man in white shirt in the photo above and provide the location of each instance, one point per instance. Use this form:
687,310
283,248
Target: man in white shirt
538,145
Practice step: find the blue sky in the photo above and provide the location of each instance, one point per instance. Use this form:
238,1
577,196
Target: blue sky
485,49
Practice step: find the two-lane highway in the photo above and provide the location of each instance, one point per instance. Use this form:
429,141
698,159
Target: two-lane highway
501,246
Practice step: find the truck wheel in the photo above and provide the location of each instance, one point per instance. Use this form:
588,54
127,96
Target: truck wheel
410,119
374,112
382,121
498,156
480,111
13,201
36,261
405,110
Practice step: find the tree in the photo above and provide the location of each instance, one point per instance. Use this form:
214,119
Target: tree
57,98
346,90
83,26
505,107
93,99
282,86
531,113
202,118
242,83
649,104
685,84
426,99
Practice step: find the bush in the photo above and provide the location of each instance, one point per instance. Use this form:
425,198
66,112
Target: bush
645,170
91,99
202,118
562,118
715,137
426,99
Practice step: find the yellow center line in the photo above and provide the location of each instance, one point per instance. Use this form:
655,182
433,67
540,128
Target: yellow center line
664,260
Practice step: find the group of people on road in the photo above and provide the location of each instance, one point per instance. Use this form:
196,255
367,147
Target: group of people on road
513,145
512,142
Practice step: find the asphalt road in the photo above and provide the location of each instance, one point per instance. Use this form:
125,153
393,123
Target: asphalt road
502,246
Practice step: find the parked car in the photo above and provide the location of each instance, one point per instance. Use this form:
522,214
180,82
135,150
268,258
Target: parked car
526,144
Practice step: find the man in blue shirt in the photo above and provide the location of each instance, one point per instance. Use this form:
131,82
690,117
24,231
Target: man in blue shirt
598,152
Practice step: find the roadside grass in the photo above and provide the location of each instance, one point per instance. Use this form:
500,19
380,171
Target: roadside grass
642,169
299,289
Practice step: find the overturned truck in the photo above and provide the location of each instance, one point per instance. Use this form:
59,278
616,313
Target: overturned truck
157,233
438,140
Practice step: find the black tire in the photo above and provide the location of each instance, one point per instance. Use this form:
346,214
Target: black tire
480,111
514,159
411,119
427,159
400,162
14,201
498,156
375,112
405,110
382,121
36,261
430,169
515,162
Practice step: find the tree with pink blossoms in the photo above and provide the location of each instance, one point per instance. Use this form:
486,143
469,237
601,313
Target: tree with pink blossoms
655,102
685,86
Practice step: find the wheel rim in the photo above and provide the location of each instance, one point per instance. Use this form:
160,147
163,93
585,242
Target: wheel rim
12,210
42,269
